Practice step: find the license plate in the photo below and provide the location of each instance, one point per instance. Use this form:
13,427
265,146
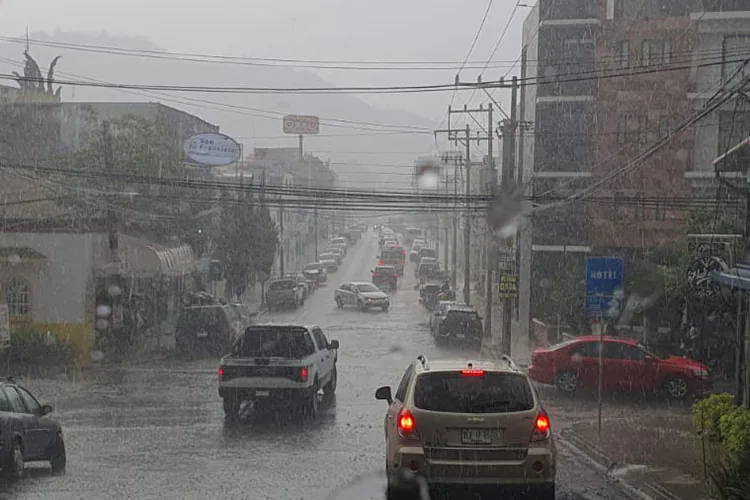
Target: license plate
476,436
460,336
202,335
263,393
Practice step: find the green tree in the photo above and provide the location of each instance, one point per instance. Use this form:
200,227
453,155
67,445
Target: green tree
234,243
142,147
265,242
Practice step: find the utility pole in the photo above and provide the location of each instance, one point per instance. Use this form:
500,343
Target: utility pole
114,289
509,175
465,139
281,234
491,248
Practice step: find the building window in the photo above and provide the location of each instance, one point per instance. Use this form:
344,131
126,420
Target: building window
619,11
624,54
18,297
625,128
642,130
734,49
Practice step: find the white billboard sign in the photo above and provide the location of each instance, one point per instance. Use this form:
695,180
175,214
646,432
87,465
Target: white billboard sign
212,149
301,125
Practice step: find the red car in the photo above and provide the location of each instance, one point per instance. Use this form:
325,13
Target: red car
627,366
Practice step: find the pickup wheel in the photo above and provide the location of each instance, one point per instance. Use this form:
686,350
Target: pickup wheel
231,407
311,404
330,387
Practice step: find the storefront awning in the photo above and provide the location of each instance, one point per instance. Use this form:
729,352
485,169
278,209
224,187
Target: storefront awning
737,277
139,258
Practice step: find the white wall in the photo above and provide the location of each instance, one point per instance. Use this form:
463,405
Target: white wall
58,284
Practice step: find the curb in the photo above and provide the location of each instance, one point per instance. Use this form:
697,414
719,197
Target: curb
589,452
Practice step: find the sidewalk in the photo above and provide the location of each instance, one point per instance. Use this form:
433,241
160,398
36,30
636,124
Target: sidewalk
657,455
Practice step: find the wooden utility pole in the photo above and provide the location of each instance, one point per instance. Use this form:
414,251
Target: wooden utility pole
114,288
281,236
509,175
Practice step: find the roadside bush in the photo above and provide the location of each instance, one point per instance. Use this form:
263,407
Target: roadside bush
725,427
32,347
707,415
735,431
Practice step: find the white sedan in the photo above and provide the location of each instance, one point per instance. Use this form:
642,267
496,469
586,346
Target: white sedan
361,294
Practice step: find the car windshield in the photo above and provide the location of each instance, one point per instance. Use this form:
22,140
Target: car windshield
384,270
313,267
480,392
274,342
366,288
459,315
282,285
427,252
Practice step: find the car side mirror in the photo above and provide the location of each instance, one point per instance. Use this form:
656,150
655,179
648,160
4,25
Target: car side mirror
45,410
649,359
384,393
333,344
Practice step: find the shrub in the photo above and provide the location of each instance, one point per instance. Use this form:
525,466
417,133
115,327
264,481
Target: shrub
707,415
735,431
32,347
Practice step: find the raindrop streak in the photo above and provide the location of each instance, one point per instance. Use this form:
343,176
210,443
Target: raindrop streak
507,208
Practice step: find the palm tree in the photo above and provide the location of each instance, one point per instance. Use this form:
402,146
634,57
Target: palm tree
32,78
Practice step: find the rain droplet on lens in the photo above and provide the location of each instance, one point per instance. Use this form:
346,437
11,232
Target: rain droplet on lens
114,291
102,324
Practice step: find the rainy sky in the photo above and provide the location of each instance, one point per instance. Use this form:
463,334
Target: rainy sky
418,30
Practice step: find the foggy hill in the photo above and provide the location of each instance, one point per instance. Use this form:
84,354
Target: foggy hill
253,127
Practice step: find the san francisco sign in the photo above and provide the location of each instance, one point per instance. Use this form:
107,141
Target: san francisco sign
212,149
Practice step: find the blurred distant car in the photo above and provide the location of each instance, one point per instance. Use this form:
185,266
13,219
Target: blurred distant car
385,277
209,328
628,366
330,264
337,251
284,292
334,256
440,310
460,323
316,271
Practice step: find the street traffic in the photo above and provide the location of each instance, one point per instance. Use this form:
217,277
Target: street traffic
158,429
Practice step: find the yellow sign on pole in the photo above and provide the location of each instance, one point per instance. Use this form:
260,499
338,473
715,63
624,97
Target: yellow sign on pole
507,288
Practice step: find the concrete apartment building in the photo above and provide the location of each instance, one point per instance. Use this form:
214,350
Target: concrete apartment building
657,62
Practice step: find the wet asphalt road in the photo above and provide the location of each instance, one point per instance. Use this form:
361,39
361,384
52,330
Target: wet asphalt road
157,430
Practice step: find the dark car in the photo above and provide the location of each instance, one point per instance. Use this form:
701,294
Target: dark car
385,277
208,328
27,432
461,323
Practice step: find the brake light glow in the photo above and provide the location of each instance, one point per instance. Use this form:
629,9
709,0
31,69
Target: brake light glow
221,373
472,373
542,427
403,252
380,262
303,374
406,425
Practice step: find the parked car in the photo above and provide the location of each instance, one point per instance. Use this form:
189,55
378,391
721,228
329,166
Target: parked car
316,271
334,256
27,432
209,328
330,264
284,292
627,366
440,310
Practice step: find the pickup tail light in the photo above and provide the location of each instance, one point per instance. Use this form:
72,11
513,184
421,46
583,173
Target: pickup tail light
221,373
542,427
303,372
406,425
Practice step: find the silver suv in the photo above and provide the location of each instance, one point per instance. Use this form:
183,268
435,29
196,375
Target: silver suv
452,422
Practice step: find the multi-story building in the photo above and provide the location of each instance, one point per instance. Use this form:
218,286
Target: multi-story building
614,77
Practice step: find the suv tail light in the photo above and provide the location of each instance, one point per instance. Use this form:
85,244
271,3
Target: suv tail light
472,373
380,262
221,373
542,427
406,425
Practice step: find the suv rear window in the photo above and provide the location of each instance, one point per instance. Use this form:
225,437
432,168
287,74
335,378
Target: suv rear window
492,392
282,285
275,342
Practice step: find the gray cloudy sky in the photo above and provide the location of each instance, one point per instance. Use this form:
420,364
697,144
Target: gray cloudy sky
302,29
